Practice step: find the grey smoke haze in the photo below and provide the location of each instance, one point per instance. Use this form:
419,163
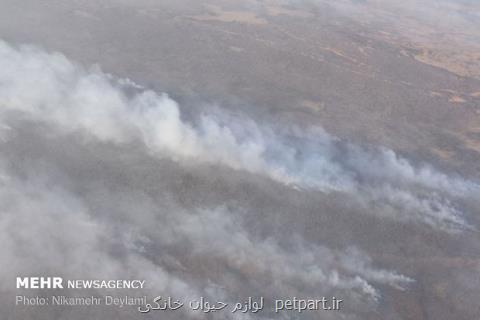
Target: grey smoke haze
97,169
442,13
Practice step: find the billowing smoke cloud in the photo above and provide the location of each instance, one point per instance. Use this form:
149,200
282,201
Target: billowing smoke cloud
49,89
89,173
47,229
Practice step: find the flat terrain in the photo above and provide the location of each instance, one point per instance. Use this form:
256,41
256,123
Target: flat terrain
403,76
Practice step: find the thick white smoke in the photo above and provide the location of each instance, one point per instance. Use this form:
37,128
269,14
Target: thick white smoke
48,88
49,225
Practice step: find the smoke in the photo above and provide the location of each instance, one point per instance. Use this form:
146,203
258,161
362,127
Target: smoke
89,173
49,89
441,13
48,229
